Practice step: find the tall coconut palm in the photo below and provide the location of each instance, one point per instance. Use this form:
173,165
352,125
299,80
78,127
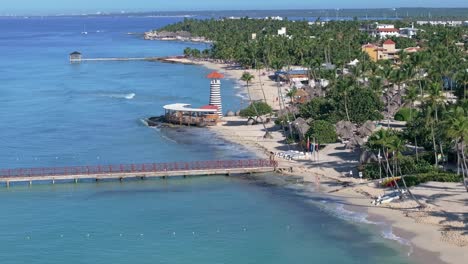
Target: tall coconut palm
411,97
462,77
435,99
430,122
397,146
345,86
457,130
418,60
247,78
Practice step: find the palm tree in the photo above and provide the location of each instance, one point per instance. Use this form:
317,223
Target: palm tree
435,98
292,93
418,60
411,96
462,76
430,121
247,78
345,86
457,129
396,145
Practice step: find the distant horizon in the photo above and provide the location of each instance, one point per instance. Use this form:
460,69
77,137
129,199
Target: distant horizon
54,7
188,11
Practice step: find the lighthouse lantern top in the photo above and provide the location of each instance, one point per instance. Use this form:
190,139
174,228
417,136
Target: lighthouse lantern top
215,75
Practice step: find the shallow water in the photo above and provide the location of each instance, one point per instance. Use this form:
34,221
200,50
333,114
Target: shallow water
57,114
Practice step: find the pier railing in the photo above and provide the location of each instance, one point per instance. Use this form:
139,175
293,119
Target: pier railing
138,168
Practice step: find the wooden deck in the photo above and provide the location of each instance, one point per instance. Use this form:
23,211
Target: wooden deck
136,171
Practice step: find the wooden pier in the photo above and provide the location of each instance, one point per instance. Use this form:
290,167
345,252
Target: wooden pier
136,171
77,57
122,59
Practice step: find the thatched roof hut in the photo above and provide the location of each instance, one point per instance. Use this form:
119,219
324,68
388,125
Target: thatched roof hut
367,129
345,129
355,142
301,126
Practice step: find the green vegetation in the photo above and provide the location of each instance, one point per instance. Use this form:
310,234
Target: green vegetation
319,109
412,86
404,114
433,176
256,109
340,41
323,131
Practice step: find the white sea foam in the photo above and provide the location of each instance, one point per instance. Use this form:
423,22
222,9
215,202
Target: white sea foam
337,209
128,96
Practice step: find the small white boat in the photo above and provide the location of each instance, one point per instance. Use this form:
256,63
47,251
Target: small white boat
84,32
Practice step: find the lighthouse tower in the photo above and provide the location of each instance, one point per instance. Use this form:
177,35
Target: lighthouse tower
215,91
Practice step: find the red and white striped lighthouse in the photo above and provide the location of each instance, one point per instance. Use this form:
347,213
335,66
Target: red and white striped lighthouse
215,91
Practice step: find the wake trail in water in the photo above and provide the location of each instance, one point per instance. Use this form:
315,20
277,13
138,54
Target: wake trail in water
128,96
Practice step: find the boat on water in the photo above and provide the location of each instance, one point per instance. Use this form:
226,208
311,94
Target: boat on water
84,32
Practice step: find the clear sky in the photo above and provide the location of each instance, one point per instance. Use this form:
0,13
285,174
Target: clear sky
79,6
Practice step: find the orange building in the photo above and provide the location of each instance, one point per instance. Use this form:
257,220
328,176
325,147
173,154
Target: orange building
386,52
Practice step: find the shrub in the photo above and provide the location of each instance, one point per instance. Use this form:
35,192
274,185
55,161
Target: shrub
432,176
262,109
404,114
282,119
323,131
408,164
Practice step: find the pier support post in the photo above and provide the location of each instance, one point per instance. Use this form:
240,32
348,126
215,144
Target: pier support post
76,180
121,179
30,183
8,184
53,181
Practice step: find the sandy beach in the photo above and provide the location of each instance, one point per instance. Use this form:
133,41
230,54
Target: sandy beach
439,230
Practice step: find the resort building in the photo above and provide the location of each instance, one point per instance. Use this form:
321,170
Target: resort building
75,57
282,31
408,32
388,51
440,23
384,33
299,76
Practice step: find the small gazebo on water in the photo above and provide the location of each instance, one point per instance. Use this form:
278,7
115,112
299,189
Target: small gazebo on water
208,115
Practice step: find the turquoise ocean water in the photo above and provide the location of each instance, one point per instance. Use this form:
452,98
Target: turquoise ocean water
53,113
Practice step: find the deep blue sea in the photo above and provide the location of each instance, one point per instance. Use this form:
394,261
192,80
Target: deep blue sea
53,113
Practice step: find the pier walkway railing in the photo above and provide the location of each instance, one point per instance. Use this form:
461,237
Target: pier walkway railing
122,171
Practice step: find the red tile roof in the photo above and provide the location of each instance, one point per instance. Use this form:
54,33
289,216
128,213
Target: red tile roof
389,42
215,75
